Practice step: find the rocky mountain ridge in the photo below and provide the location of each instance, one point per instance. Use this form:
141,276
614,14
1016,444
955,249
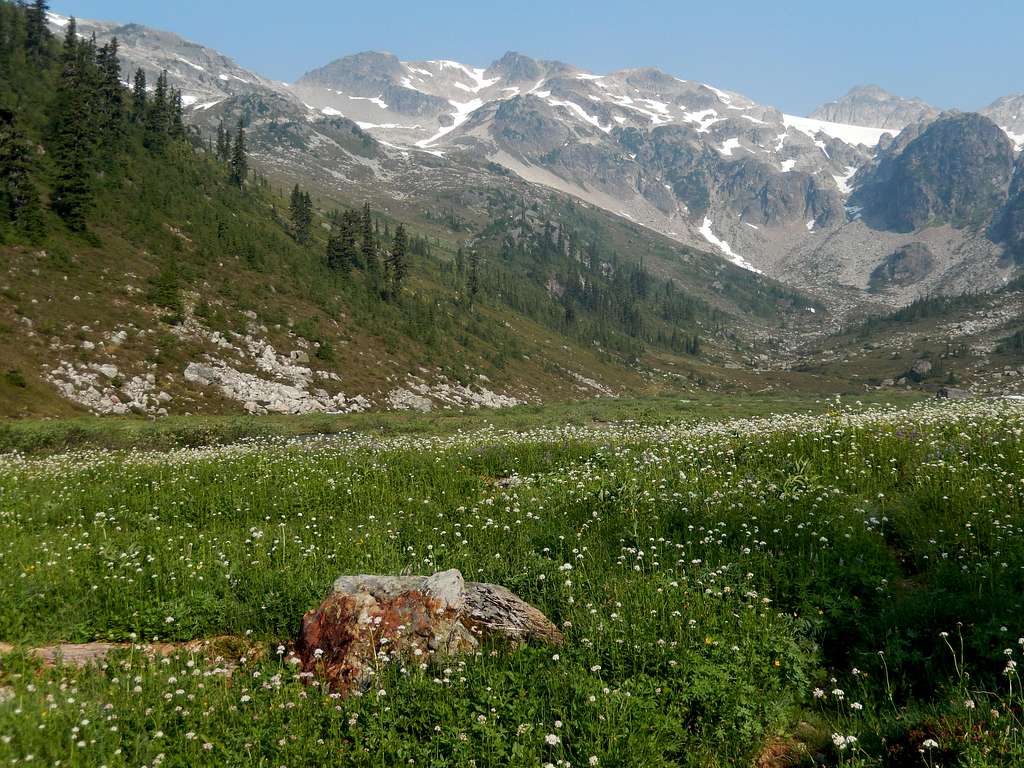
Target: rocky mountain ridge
770,192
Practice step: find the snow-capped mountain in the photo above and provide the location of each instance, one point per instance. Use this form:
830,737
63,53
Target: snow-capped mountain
703,165
204,76
707,167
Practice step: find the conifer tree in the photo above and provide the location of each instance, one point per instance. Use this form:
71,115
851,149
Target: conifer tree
398,261
223,143
37,30
19,198
110,100
368,243
73,135
301,214
339,258
158,116
239,160
177,116
473,279
139,97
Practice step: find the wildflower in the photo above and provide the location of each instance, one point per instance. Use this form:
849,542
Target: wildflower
930,744
552,740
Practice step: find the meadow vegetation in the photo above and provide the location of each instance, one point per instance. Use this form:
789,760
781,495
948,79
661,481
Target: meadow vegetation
841,586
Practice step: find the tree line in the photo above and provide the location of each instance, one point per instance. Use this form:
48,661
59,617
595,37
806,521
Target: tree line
89,119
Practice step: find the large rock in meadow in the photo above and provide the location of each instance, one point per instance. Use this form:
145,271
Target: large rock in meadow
367,620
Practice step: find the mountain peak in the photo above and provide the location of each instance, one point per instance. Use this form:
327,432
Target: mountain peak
872,105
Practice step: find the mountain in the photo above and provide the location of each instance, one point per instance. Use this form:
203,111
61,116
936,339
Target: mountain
957,171
871,105
203,75
181,288
1009,226
1008,114
759,229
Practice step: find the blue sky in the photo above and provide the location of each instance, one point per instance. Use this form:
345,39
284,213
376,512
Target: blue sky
793,55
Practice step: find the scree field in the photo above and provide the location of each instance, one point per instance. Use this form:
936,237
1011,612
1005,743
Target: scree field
839,588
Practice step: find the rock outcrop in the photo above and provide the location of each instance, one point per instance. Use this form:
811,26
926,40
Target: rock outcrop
957,171
367,620
904,267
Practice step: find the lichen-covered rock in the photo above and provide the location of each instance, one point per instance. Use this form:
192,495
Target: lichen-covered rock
369,620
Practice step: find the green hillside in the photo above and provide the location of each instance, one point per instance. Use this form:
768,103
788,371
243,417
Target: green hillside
132,246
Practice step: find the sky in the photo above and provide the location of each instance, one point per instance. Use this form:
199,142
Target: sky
791,54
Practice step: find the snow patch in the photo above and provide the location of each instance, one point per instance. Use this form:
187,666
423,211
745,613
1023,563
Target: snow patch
729,145
194,66
788,165
581,113
374,100
843,182
371,126
708,234
478,76
462,112
851,134
1016,138
723,97
705,118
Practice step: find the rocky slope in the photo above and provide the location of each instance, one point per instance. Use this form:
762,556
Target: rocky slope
1008,114
796,198
871,105
957,172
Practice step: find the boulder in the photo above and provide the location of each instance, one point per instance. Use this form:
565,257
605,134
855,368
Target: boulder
367,620
920,369
952,393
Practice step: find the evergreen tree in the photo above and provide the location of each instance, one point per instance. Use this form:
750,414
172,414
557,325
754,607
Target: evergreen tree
398,261
37,30
239,160
368,243
339,257
473,279
177,116
223,143
139,97
301,214
73,141
19,198
110,109
158,116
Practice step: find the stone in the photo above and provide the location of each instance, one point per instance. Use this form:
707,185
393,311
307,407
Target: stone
367,620
952,393
920,369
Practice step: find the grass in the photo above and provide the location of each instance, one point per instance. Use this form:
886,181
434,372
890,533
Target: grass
44,436
843,585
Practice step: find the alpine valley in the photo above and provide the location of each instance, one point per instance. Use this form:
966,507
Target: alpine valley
569,234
